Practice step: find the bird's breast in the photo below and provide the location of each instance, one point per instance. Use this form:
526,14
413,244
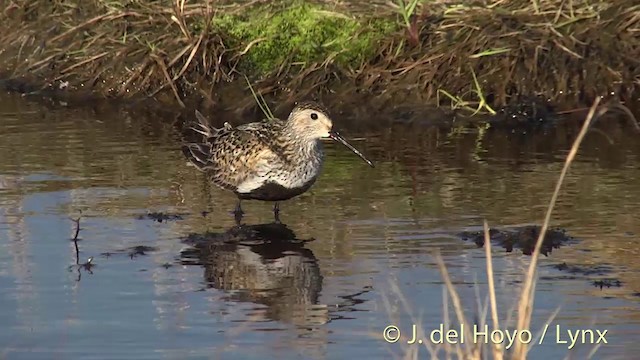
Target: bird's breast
295,169
300,173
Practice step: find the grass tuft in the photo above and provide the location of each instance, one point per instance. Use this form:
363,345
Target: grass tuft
301,33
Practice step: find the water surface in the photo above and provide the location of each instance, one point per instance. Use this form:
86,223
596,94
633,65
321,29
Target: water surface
357,252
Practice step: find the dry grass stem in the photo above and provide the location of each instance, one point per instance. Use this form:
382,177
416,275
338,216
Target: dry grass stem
457,304
527,298
497,348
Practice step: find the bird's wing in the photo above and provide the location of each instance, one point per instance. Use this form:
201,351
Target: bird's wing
234,157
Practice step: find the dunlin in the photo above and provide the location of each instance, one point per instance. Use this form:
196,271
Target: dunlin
271,160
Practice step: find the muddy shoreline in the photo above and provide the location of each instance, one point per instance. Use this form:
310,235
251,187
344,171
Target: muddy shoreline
511,59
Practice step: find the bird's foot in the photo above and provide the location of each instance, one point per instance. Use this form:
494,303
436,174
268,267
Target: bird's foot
276,213
238,214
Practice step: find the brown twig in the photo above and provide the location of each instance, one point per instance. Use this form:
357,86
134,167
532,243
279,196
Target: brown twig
497,348
168,78
75,238
94,20
84,62
455,298
88,265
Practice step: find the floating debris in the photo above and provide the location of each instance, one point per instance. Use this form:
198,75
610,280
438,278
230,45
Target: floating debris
88,265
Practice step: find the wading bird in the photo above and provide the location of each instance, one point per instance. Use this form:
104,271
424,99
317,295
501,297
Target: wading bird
271,160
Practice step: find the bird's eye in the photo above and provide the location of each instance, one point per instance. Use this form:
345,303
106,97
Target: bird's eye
314,116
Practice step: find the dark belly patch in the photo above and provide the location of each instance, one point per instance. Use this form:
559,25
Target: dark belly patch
274,192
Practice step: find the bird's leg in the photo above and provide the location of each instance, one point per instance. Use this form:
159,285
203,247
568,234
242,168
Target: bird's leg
237,213
276,212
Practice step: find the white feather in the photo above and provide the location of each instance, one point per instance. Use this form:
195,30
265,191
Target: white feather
286,179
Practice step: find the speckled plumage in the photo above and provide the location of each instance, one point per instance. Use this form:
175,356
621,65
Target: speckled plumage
270,160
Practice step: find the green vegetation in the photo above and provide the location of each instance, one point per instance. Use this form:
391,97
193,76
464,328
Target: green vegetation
407,10
458,102
301,33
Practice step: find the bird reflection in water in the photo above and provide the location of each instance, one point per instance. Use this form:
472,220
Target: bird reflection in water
263,264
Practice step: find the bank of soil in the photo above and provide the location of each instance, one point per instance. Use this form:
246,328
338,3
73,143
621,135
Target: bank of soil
488,56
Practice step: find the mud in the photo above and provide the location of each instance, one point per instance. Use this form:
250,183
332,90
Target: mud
132,252
160,216
586,270
523,238
601,276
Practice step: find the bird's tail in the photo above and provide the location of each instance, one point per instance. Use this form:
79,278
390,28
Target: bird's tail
202,127
198,152
199,155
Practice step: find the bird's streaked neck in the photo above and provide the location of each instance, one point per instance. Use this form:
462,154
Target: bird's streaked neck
302,145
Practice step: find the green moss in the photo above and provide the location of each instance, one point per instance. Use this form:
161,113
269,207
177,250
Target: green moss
301,32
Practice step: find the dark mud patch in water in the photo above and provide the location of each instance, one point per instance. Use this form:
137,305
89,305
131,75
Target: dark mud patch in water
160,216
526,113
522,237
585,270
599,275
525,237
132,252
607,283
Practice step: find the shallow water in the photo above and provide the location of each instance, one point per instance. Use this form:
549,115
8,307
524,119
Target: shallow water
154,294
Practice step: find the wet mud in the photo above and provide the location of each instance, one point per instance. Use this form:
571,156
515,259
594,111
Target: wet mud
523,238
601,276
160,216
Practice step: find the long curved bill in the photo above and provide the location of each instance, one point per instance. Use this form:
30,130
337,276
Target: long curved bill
337,137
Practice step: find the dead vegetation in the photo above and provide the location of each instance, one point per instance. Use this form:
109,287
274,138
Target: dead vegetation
488,307
481,57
